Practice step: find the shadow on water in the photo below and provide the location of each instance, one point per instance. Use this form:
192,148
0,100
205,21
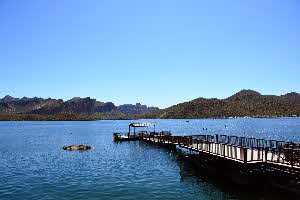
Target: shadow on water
208,182
235,191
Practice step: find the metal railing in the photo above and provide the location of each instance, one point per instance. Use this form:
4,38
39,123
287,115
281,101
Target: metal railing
236,148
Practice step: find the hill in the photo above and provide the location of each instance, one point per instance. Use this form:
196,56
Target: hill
246,103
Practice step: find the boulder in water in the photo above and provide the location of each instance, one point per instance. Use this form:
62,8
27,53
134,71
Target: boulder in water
77,147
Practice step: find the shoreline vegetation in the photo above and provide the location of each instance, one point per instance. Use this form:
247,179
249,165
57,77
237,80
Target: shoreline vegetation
79,117
57,117
244,104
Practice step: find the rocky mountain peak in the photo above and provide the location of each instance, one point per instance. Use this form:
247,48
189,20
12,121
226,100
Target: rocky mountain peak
245,94
292,96
8,98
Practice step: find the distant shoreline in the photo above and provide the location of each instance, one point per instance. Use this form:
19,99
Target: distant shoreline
77,117
57,117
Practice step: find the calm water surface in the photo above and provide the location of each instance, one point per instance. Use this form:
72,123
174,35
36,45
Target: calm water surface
32,165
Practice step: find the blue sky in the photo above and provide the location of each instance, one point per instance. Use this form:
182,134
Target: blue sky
154,52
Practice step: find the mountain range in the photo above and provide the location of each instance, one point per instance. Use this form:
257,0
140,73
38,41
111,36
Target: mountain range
245,103
85,106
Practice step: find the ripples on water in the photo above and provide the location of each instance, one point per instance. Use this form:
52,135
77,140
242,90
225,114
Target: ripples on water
34,167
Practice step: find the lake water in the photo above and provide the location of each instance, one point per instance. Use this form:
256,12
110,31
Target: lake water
32,165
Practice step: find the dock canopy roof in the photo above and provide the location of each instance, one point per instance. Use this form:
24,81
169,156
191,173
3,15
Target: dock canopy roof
141,124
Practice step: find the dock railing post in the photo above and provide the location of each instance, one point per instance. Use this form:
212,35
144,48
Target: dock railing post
245,151
266,153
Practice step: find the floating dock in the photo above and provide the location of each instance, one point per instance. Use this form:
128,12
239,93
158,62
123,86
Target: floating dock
244,160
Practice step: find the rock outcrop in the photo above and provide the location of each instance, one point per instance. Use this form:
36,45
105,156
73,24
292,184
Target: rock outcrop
137,109
77,147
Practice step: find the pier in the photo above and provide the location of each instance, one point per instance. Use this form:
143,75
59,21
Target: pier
244,160
234,148
237,149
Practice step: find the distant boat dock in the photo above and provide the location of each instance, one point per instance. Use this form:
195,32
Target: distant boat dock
276,162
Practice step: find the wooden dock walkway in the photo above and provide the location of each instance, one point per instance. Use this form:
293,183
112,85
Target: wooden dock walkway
238,149
234,148
243,160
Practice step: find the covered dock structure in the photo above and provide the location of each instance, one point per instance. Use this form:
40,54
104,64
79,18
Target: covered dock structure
135,134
